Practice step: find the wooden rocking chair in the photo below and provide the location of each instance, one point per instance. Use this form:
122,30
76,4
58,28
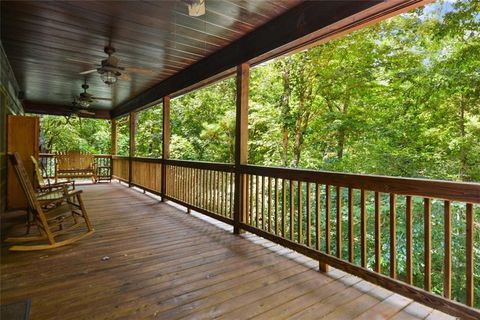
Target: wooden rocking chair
47,186
50,210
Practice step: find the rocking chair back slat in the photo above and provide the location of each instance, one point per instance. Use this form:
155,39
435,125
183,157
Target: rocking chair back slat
38,172
25,182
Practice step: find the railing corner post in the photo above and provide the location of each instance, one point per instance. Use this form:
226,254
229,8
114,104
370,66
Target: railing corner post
241,146
133,125
165,145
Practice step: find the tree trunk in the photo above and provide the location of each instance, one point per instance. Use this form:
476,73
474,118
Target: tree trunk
285,107
340,143
284,146
463,151
297,147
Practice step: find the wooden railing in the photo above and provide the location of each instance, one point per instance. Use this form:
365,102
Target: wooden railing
120,168
326,216
375,227
205,187
147,174
103,164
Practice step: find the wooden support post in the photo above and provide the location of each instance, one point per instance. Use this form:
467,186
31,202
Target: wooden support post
165,144
241,147
114,133
131,152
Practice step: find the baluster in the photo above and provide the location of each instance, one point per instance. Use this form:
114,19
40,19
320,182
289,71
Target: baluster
328,203
269,204
225,191
184,185
211,199
317,216
251,200
263,204
175,182
205,189
256,202
339,221
378,223
284,208
246,180
232,189
191,185
363,227
393,236
300,215
409,216
428,244
447,262
220,193
276,206
291,211
469,253
309,216
217,195
350,226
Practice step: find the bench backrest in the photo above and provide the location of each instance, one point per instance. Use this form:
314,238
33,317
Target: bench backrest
74,160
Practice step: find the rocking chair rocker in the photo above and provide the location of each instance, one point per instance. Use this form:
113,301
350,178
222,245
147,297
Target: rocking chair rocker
50,210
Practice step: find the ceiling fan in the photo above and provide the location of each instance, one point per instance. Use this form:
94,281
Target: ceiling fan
78,110
85,98
110,70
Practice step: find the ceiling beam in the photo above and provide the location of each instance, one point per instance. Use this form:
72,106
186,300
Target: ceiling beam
304,19
61,110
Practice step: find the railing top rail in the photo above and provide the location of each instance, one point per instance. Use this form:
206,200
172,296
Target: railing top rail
119,157
147,159
448,190
51,155
202,165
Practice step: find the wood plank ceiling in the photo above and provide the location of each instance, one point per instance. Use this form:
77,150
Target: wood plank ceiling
49,43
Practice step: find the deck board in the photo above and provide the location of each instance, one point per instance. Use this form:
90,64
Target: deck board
166,264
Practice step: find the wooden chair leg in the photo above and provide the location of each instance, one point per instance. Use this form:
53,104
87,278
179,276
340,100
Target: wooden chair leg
84,213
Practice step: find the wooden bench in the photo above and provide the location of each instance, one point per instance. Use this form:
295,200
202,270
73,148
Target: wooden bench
75,164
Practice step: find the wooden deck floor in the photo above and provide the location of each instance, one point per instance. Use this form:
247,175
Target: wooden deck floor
165,264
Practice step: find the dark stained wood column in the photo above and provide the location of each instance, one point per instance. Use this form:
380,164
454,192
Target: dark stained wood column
131,154
165,143
114,143
241,146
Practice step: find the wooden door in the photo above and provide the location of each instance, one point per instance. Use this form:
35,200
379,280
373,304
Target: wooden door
22,137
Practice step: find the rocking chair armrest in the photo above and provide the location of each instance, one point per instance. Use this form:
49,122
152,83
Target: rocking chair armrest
60,184
64,196
57,185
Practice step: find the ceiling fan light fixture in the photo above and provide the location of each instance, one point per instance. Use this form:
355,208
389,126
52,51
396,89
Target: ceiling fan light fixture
84,103
109,77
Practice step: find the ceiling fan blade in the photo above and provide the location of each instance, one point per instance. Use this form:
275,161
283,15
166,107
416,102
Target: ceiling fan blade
105,99
88,71
81,61
140,70
86,112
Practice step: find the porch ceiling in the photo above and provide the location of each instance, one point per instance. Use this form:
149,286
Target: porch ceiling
49,43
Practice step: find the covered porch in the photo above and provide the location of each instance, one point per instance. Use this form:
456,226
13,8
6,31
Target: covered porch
166,264
181,239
